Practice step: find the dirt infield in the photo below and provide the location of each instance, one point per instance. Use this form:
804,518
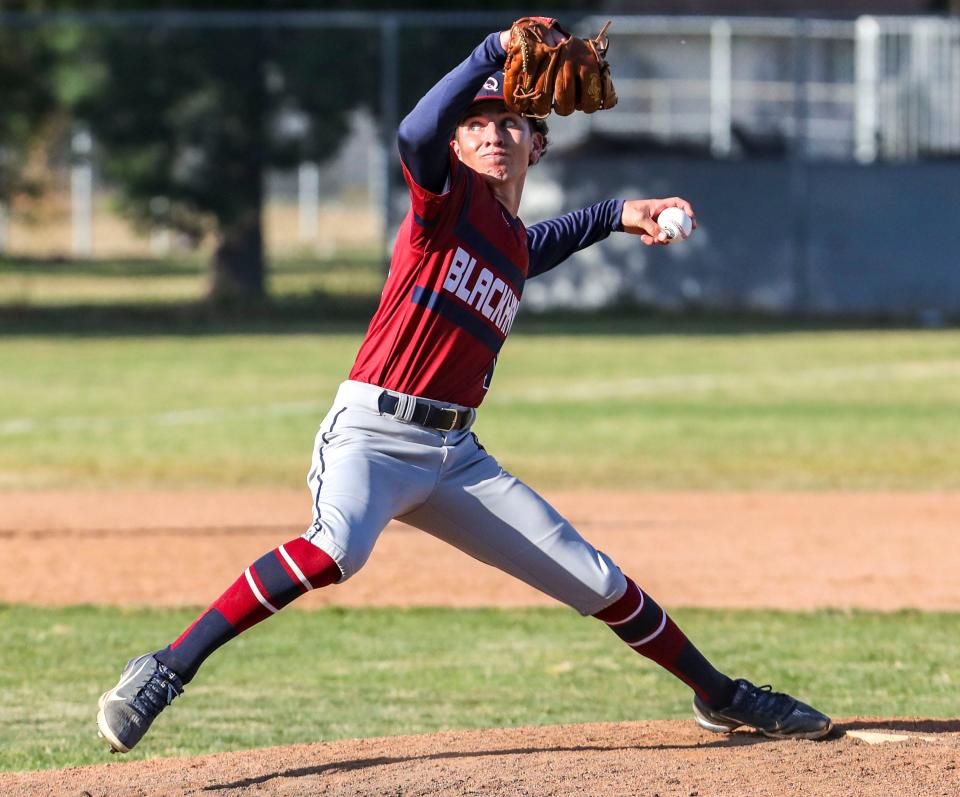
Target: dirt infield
870,550
884,551
669,759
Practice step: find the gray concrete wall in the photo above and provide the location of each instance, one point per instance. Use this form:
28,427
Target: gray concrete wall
816,238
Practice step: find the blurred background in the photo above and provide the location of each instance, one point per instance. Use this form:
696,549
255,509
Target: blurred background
190,156
197,202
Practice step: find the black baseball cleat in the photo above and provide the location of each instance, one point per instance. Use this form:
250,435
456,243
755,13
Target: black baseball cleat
774,714
145,689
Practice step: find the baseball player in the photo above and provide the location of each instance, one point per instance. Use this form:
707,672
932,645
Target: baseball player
397,442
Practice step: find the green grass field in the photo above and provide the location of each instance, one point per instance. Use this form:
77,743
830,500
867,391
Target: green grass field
111,378
626,404
339,673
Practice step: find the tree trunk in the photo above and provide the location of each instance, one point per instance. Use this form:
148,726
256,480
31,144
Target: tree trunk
238,263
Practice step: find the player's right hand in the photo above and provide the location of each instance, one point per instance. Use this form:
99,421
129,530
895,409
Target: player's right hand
639,218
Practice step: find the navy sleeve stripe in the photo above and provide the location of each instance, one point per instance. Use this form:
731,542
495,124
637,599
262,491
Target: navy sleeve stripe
551,242
488,253
422,221
443,306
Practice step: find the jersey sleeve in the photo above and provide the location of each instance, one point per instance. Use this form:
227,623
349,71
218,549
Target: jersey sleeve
427,206
424,135
551,242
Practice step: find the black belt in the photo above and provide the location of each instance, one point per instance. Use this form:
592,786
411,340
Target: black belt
443,419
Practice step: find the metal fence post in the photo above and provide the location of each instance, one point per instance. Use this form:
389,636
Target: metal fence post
800,198
389,118
308,201
867,36
4,228
81,193
721,94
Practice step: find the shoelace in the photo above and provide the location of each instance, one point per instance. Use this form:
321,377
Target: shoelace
770,702
158,693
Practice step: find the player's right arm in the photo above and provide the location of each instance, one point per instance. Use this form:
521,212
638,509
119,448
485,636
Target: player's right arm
424,135
552,241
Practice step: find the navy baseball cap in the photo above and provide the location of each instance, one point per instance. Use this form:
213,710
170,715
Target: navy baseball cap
492,88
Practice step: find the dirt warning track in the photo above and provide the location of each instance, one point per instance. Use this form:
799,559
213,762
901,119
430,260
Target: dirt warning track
867,550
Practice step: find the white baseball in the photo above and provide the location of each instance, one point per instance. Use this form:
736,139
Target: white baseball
676,224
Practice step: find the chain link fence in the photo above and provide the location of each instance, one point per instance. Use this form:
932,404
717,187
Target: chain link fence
330,88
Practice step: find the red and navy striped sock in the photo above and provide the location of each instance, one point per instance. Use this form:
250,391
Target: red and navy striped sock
643,625
269,584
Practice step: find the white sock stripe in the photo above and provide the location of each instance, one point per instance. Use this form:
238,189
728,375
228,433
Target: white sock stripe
656,633
255,591
634,614
293,566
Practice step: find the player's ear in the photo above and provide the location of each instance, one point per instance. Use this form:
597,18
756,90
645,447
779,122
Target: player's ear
456,143
536,148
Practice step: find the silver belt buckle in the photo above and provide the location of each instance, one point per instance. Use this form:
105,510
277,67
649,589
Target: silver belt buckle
453,425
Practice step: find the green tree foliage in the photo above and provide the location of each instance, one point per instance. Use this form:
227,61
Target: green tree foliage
188,115
188,118
26,65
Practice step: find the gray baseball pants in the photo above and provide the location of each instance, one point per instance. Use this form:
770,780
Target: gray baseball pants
369,468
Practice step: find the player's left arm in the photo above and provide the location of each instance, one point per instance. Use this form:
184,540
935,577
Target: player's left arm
424,134
551,242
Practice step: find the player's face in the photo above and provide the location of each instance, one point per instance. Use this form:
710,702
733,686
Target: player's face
495,142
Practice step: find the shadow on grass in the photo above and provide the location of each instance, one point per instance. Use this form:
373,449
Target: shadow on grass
324,307
118,267
320,313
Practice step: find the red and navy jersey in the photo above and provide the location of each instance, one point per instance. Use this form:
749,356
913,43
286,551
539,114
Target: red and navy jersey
453,291
460,260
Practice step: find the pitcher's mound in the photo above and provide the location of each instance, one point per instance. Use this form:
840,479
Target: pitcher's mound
674,759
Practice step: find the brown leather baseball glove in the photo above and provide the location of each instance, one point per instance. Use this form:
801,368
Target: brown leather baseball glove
572,75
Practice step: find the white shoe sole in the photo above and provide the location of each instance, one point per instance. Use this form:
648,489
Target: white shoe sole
809,735
716,727
710,725
104,729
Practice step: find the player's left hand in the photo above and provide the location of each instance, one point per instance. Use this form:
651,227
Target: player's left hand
546,69
640,215
551,37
